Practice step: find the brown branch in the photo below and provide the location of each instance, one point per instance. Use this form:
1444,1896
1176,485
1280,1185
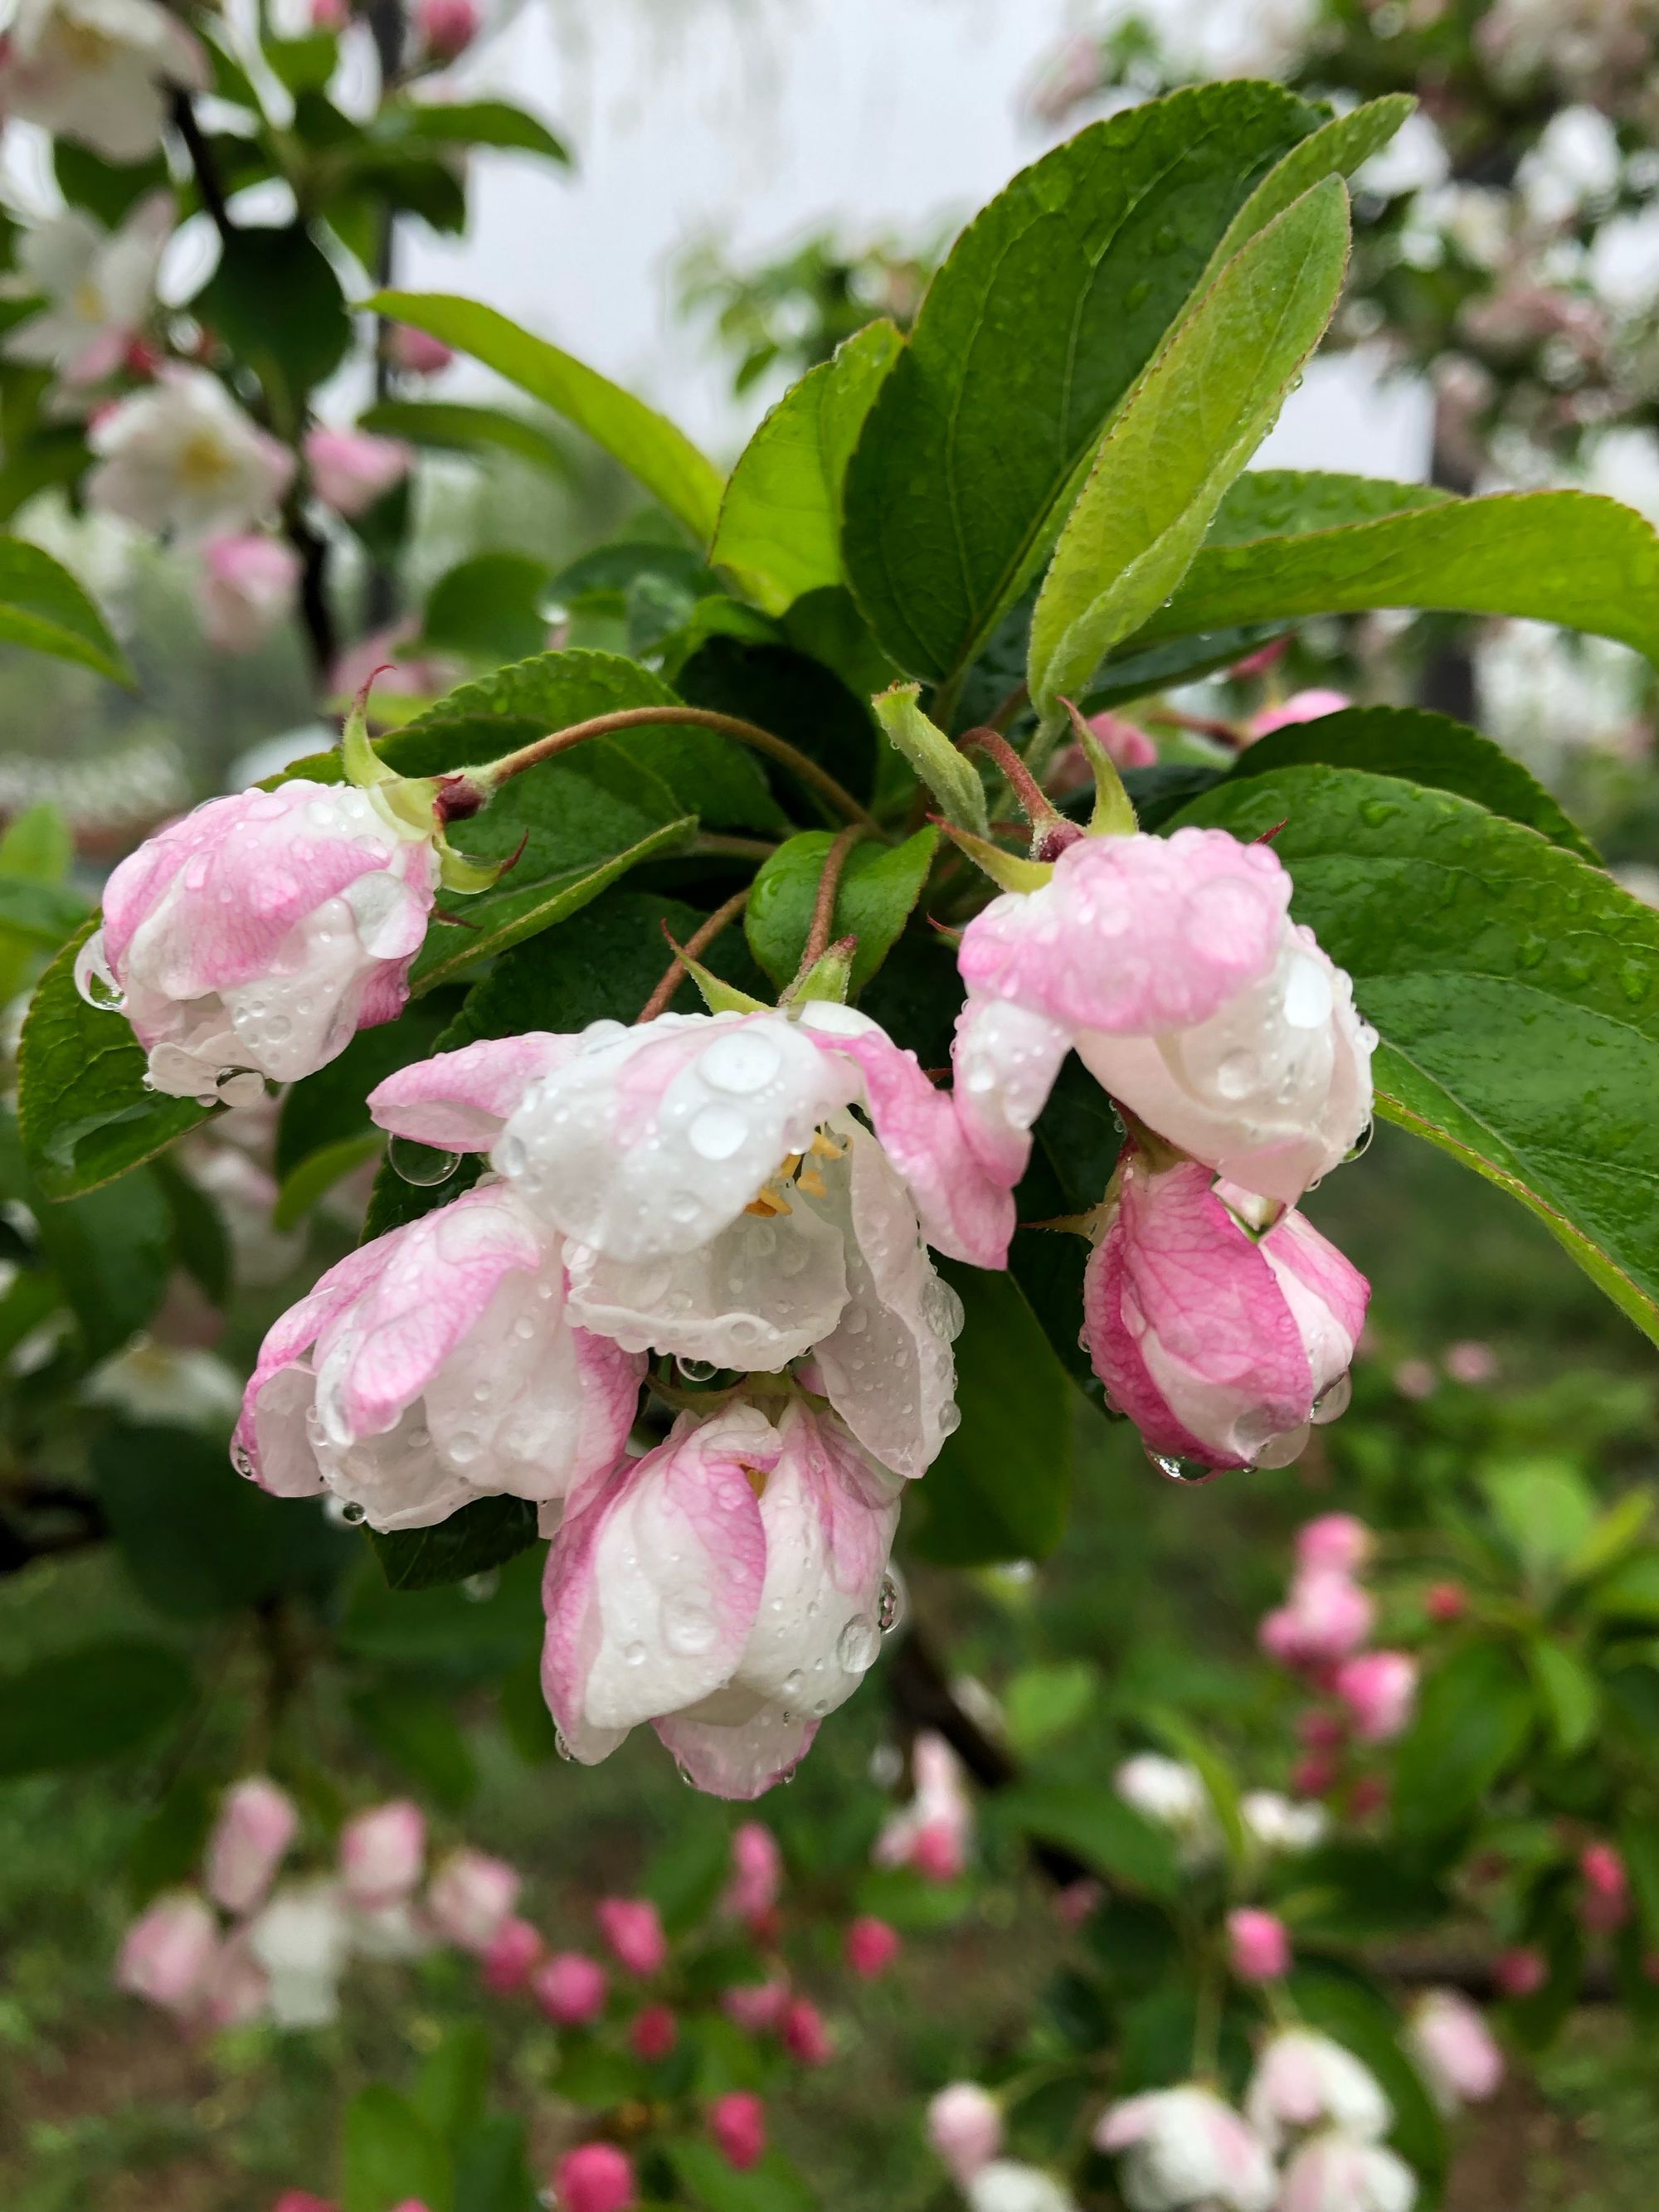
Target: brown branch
824,906
674,974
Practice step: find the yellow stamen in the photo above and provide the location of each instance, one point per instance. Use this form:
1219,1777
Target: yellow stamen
811,1183
826,1147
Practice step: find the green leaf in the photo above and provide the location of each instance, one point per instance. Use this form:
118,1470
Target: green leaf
83,1706
201,1241
1513,987
663,458
111,1250
488,607
290,348
421,1735
328,1109
453,426
948,774
1474,1715
46,914
491,2170
388,2154
1545,1509
879,885
1094,1823
784,692
1335,150
482,1535
85,1114
779,532
1049,305
1353,1893
453,2082
37,846
1560,557
1630,1593
1567,1691
42,605
1002,1485
468,123
774,2186
1423,748
1615,1533
1041,1703
1182,437
1286,502
1221,1787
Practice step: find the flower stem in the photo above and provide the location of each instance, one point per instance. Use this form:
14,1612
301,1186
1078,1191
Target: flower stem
1039,809
703,718
674,974
823,907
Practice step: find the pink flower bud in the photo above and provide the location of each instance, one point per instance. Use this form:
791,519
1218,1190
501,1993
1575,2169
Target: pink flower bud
633,1928
1311,706
871,1947
446,28
382,1853
1259,1945
1445,1602
738,2123
255,1825
1471,1362
805,2036
758,2007
938,1852
1368,1795
302,2200
570,1989
329,16
1379,1689
416,352
471,1897
1605,1902
596,2177
1454,2051
167,1955
1519,1973
1325,1618
964,2126
1076,1903
511,1960
1336,1542
1126,745
756,1872
1315,1776
654,2032
1259,662
350,470
247,585
1323,1731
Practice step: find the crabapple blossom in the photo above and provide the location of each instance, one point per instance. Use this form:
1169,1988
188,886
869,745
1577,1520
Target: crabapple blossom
758,2008
471,1898
757,1873
934,1833
1334,1542
726,1588
1221,1345
1184,2147
349,470
237,1988
1520,1971
1172,968
1333,2173
100,286
570,1988
256,1823
1326,1616
1379,1689
1605,1903
1471,1362
1172,1795
871,1947
1311,706
448,27
416,352
736,2121
383,1854
1303,2079
98,72
1454,2049
802,2033
721,1205
595,2176
1258,1945
167,1955
1007,2185
654,2033
1282,1824
246,585
301,1938
258,934
633,1930
964,2126
182,456
1445,1602
515,1951
433,1365
302,2200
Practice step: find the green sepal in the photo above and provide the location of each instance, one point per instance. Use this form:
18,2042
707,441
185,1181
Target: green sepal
1114,814
1006,870
457,873
363,764
829,976
720,998
951,778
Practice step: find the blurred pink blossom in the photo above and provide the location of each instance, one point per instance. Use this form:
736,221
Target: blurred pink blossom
1379,1689
633,1929
738,2123
255,1825
570,1988
871,1947
514,1952
1258,1945
1311,706
595,2176
654,2032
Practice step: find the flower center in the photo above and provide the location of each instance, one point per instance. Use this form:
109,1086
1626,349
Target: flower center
799,1172
202,461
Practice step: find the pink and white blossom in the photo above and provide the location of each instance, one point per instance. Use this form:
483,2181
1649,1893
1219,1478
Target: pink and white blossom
1379,1689
633,1930
257,935
181,455
595,2176
756,1873
256,1823
736,2121
1311,706
1184,2149
934,1833
1335,2172
571,1989
437,1365
100,72
726,1588
964,2126
1172,1794
1455,2052
98,286
302,1939
1220,1345
168,1954
1326,1616
350,470
1303,2080
1172,968
383,1854
471,1898
448,27
1335,1543
1281,1824
1008,2184
247,586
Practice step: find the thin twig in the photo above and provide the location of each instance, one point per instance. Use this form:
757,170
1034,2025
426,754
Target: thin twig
1035,800
823,907
700,938
201,161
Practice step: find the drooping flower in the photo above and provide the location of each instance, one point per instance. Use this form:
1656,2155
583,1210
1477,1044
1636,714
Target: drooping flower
302,1939
1335,2172
726,1588
1326,1616
1455,2050
1173,968
350,470
1184,2148
1221,1345
434,1365
99,285
383,1854
182,456
632,1927
736,2121
167,1955
98,72
934,1833
260,933
246,585
256,1823
1379,1689
1258,1944
1303,2081
964,2126
471,1898
722,1205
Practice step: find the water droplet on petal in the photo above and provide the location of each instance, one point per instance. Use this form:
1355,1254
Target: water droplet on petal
353,1514
1281,1450
242,1460
560,1744
890,1608
1333,1401
1180,1470
423,1165
1361,1144
858,1644
696,1370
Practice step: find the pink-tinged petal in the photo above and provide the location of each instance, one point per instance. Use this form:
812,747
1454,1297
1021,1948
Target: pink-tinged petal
351,469
1305,1262
256,1823
738,1760
653,1580
1134,934
1310,706
965,1210
271,1436
1005,1058
460,1102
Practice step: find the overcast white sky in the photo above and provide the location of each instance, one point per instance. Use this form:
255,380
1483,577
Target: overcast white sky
762,121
